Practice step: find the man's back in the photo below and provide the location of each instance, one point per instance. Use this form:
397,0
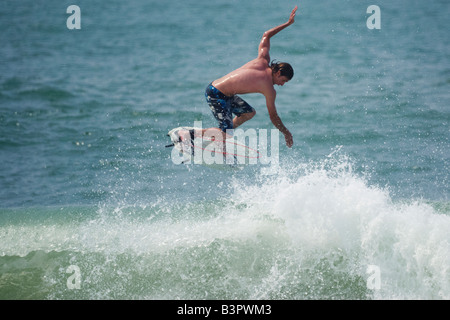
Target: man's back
253,77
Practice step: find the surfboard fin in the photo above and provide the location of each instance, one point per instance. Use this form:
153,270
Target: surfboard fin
192,134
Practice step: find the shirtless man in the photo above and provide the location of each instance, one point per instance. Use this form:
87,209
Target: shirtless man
257,76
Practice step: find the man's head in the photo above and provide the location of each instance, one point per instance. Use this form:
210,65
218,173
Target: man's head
282,72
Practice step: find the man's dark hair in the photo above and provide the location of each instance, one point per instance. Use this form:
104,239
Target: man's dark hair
284,67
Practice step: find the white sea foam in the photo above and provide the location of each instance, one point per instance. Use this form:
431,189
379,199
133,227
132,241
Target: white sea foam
334,210
313,231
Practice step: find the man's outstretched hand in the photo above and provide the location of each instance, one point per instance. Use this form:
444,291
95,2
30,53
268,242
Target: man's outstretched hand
292,16
289,139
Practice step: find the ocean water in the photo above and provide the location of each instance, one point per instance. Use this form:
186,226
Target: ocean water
93,207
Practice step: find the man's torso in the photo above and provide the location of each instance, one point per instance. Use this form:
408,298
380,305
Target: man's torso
253,77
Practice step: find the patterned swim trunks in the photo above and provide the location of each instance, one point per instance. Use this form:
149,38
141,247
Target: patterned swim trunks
223,106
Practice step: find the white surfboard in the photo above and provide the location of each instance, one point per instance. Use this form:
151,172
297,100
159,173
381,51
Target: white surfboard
188,141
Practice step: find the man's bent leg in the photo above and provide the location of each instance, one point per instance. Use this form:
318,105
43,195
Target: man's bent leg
238,120
242,110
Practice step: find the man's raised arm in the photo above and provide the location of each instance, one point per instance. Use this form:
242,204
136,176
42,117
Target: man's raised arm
264,46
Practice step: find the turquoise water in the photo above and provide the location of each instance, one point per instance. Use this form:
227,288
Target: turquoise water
85,179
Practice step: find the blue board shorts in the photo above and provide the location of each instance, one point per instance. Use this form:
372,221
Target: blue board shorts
223,106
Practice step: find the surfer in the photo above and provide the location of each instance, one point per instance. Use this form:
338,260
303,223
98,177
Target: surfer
259,75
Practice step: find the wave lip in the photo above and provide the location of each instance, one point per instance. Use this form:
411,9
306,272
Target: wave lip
332,213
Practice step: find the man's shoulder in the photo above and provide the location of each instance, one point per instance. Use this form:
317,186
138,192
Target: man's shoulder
259,63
